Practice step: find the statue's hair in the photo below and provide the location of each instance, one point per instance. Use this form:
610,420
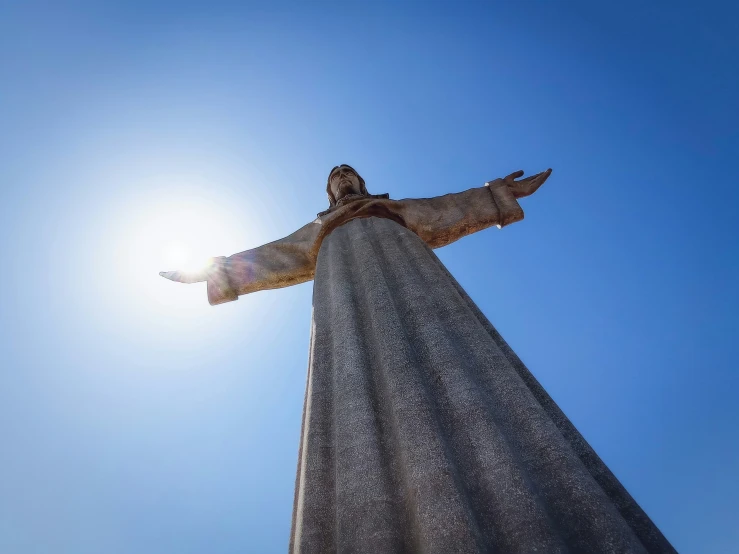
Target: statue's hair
331,199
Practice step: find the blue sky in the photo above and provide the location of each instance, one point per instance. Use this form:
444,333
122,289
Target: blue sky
136,418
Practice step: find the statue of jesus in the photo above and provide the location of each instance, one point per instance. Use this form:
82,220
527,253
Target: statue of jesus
422,430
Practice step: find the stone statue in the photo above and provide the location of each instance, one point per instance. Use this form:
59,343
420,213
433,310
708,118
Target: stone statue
422,430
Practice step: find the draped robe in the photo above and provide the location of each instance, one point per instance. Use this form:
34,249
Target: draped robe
422,430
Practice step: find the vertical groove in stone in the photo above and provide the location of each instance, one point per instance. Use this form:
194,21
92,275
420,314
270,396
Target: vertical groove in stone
360,461
504,499
440,518
423,432
315,525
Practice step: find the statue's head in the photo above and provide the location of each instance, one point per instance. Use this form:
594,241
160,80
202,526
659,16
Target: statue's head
343,181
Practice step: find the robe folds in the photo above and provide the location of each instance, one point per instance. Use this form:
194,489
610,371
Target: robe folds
422,430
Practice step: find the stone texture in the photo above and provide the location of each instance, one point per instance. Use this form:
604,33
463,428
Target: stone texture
422,430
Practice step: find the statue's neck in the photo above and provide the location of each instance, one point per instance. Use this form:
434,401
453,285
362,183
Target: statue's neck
344,200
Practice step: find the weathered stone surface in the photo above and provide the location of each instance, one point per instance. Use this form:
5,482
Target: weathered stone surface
423,432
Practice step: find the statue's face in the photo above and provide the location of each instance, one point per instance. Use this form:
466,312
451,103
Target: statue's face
343,181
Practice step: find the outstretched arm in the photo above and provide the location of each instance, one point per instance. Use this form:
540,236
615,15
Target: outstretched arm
281,263
444,219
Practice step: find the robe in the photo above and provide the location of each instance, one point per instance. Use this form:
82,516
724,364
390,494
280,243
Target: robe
422,430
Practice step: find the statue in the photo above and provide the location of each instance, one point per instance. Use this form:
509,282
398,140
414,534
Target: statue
422,430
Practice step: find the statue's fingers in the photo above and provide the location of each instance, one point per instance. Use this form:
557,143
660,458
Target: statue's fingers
171,275
529,185
514,175
543,176
183,276
538,180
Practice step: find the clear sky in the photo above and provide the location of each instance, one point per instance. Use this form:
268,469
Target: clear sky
134,417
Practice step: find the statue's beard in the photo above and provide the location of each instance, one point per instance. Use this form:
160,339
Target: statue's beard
347,188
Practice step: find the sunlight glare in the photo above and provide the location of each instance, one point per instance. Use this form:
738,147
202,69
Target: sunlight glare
177,254
178,230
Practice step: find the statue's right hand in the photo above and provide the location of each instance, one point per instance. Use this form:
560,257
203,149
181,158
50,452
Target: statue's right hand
187,276
215,271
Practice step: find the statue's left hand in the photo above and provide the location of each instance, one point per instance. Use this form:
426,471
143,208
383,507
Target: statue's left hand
527,186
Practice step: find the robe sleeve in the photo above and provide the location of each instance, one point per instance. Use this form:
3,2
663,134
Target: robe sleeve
444,219
284,262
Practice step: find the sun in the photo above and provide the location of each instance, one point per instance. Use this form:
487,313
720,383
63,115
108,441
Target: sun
168,224
177,254
180,235
178,229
